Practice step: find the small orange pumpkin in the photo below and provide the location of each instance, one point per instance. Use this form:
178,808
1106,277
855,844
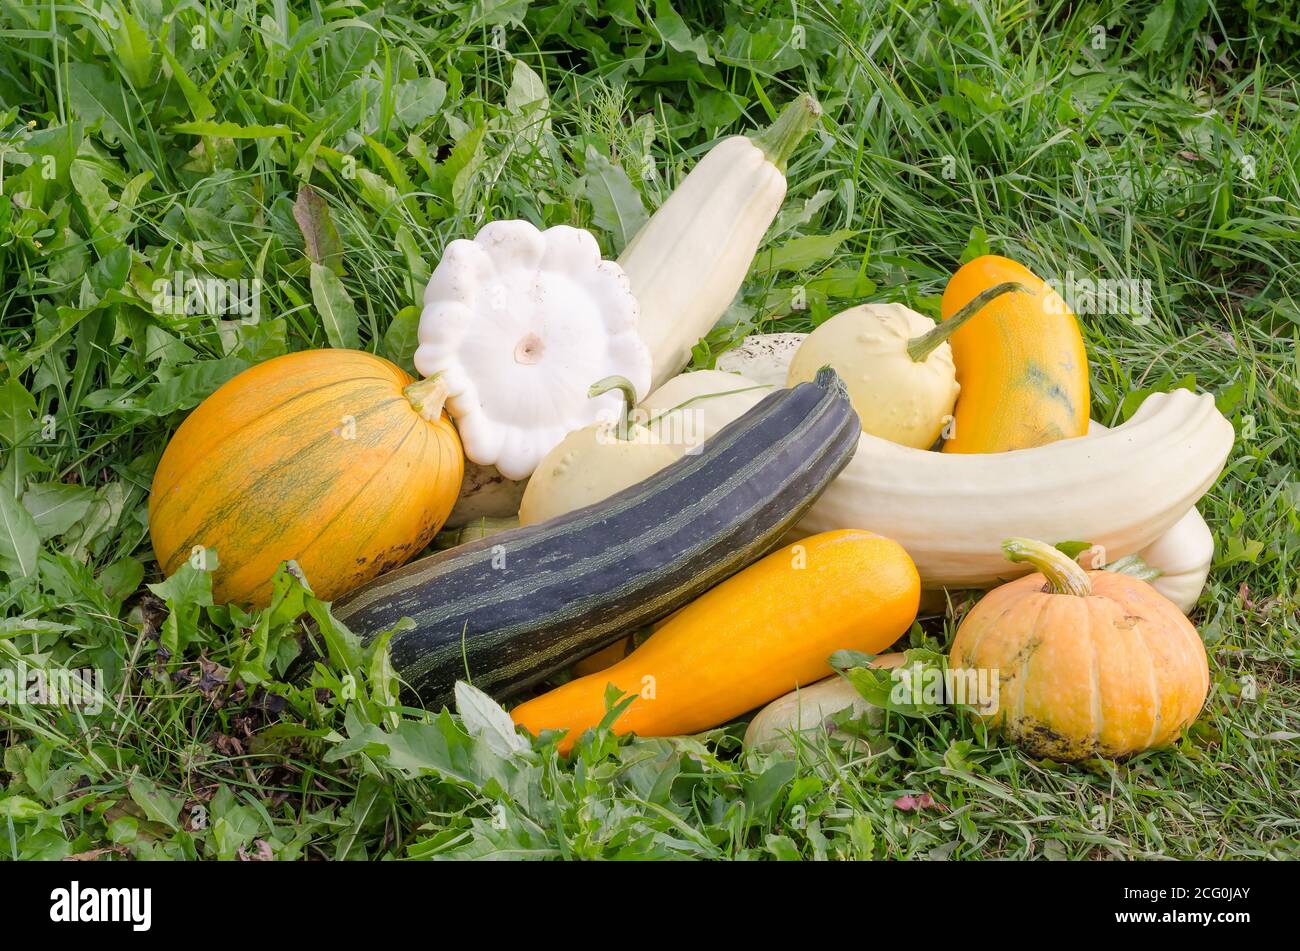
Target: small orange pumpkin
332,458
1089,663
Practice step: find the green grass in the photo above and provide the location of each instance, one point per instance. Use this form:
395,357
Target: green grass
1102,138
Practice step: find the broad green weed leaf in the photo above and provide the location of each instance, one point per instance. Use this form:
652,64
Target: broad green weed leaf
418,99
233,130
55,507
402,337
95,95
762,793
799,254
677,34
17,413
616,204
157,805
20,808
20,541
201,107
134,48
191,385
121,579
486,720
337,314
13,626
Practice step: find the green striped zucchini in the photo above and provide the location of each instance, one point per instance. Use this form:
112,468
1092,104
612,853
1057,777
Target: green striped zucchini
509,610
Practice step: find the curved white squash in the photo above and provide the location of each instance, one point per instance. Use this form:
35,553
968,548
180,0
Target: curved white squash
1123,489
1183,555
687,262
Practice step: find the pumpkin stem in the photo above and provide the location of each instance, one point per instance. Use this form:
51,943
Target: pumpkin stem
918,348
427,397
628,392
779,140
1064,575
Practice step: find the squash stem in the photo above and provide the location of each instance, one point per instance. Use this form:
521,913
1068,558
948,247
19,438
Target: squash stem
918,348
427,396
1064,575
628,392
779,140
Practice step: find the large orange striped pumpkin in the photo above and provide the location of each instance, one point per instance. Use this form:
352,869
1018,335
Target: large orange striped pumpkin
332,458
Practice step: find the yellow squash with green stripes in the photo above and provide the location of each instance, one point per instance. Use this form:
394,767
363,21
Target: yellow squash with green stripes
1020,362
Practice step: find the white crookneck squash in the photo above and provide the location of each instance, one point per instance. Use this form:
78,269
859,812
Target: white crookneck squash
519,322
678,414
593,463
1122,489
688,261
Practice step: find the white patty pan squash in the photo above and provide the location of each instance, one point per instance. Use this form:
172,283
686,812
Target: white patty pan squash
898,398
519,322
